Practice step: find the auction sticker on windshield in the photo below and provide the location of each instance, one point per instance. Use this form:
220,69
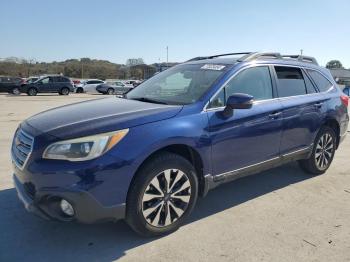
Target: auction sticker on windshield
213,67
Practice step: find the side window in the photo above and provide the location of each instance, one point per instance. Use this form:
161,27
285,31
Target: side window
346,91
219,100
45,80
310,89
89,82
290,81
63,79
322,83
254,81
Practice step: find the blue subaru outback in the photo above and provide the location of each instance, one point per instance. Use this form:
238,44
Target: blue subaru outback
146,158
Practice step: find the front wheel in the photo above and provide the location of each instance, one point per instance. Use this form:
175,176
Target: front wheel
110,91
322,153
162,195
32,92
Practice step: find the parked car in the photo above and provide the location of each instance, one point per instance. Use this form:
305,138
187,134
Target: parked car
148,157
76,82
133,83
49,84
88,86
10,84
346,90
117,88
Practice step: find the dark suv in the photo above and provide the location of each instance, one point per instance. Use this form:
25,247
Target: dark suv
186,130
10,84
49,84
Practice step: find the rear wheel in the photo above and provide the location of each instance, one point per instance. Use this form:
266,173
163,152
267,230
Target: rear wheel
110,91
64,91
162,195
32,92
79,90
16,91
322,153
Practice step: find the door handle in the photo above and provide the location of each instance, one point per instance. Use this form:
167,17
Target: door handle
318,105
274,115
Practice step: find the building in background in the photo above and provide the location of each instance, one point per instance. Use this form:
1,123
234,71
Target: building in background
341,76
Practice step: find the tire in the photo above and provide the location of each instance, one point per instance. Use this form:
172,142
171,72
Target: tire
110,91
64,91
322,153
169,210
32,91
15,91
79,90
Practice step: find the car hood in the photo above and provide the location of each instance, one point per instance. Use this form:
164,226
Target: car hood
98,116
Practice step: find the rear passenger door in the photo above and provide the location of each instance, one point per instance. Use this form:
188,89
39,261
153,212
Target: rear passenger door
55,84
302,108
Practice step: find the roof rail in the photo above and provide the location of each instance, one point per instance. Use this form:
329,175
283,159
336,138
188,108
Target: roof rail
257,55
254,56
308,59
250,56
215,56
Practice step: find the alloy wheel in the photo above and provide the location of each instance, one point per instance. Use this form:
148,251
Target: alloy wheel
65,91
32,92
324,151
16,91
166,198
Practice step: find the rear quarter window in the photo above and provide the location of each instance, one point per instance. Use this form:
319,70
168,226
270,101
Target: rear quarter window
322,82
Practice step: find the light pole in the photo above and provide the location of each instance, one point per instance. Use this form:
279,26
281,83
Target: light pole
82,70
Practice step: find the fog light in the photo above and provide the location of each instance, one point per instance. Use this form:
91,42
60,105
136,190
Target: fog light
67,208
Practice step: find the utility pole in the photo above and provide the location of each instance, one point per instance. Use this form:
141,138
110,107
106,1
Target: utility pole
82,70
301,52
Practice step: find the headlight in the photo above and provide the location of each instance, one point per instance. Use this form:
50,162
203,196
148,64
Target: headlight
85,148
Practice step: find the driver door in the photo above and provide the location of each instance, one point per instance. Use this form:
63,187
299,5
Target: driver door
45,85
249,136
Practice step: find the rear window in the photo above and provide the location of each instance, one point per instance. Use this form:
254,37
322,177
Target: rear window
322,82
290,81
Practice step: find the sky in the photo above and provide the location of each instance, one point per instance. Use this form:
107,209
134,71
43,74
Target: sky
117,30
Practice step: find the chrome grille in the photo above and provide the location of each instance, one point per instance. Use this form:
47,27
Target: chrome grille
21,148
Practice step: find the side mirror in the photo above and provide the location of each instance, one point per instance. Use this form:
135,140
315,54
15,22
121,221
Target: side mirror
237,101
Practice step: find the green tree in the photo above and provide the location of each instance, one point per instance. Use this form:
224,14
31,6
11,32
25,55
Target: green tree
334,64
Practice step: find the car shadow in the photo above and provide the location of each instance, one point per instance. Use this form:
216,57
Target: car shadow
26,237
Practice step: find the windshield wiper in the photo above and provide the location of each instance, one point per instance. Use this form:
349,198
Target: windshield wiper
149,100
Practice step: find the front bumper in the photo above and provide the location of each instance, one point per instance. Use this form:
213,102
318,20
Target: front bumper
45,204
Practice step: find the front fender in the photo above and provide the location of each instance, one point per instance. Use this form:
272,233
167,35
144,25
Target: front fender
144,140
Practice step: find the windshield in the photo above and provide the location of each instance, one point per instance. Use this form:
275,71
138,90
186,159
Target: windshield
182,84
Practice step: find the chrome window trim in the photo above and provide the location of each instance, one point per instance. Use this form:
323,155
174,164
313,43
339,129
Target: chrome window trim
206,109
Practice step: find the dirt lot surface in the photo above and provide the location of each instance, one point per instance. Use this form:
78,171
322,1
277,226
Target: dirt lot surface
279,215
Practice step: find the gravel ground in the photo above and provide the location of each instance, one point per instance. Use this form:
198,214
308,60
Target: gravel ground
279,215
